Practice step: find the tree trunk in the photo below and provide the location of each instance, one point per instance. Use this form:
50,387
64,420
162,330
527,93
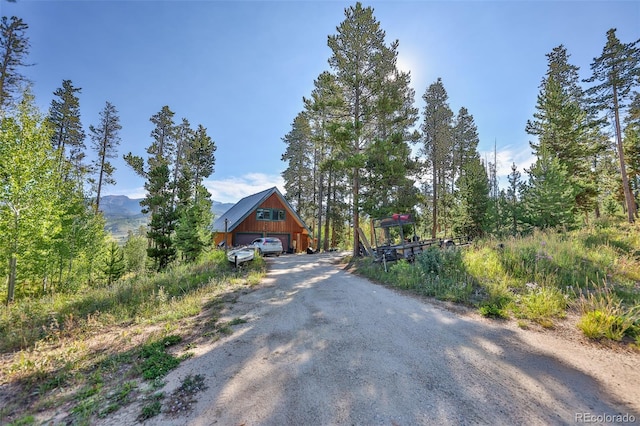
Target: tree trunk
99,189
434,215
356,208
12,278
628,195
320,195
328,213
356,169
13,260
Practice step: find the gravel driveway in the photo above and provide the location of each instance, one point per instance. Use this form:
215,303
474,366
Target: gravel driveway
324,347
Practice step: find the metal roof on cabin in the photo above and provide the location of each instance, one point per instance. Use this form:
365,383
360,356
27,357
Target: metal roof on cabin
243,208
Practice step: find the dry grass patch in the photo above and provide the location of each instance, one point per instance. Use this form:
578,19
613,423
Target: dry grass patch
96,362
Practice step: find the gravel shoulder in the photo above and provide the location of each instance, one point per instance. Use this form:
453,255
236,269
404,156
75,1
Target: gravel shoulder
322,346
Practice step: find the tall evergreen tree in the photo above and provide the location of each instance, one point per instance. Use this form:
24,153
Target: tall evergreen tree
193,233
182,179
201,158
14,48
473,195
68,135
388,187
512,198
297,175
632,145
159,201
464,142
617,72
376,94
180,206
564,128
162,149
437,145
323,110
78,229
105,140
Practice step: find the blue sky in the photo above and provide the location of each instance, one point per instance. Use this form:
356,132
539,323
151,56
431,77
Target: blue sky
241,68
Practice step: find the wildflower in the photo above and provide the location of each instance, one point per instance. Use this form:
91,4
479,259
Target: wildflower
532,286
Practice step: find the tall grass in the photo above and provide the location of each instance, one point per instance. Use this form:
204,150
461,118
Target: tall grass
605,315
169,296
538,277
78,348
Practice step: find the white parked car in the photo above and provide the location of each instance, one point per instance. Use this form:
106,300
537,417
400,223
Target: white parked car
268,245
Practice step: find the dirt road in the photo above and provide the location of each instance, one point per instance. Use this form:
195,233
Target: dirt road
323,347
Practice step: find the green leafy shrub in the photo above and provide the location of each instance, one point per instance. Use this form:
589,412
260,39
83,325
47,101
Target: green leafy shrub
430,260
495,306
404,274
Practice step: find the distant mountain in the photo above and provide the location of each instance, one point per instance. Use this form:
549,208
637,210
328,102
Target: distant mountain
219,208
120,206
123,214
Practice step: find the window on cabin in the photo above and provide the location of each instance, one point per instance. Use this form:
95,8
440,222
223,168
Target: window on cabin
270,214
263,214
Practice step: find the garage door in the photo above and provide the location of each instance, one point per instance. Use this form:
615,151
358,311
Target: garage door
284,238
243,239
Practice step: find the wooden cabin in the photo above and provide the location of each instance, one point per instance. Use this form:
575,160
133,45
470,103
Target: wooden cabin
265,214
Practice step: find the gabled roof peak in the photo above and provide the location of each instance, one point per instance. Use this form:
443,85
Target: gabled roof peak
239,212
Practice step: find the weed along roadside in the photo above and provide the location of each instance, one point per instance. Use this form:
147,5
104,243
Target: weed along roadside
592,275
78,358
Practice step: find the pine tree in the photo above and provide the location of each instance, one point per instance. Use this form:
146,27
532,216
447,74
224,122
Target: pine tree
159,201
549,193
564,128
473,196
179,160
437,145
322,113
297,183
387,186
105,139
464,142
617,70
193,233
68,135
182,179
114,264
632,145
14,48
377,99
512,199
201,158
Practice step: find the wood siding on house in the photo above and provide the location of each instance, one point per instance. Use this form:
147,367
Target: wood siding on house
289,229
